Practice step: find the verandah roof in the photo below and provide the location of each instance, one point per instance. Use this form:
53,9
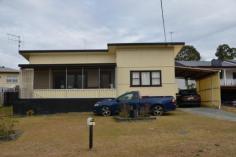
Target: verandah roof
67,65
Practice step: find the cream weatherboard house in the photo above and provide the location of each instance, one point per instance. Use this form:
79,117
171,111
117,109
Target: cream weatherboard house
9,78
73,80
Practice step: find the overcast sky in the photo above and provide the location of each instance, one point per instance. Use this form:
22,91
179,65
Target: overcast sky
88,24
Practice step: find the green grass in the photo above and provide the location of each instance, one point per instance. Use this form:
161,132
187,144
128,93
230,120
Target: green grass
176,134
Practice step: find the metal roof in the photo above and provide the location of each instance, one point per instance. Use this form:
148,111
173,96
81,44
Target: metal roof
8,70
208,64
194,63
105,50
193,72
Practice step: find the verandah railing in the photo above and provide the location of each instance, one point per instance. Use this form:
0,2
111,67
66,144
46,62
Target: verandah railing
228,82
74,93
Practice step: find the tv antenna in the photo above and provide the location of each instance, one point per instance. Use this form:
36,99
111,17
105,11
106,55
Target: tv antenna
171,36
14,37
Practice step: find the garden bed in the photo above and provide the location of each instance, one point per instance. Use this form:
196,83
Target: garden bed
121,119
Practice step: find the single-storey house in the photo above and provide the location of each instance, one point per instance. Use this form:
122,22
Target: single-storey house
73,80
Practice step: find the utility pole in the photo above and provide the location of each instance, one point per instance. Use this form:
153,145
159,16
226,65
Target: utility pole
163,21
16,38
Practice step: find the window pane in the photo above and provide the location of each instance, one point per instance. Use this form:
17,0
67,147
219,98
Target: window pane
129,96
59,79
107,78
74,78
155,74
91,78
135,82
135,79
156,81
79,81
135,74
70,81
145,78
11,79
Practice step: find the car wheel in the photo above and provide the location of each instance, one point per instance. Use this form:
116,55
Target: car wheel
106,111
157,110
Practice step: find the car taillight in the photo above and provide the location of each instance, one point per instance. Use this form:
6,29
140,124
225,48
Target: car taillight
173,101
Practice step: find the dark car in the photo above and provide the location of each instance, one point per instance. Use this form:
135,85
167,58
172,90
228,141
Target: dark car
188,98
157,104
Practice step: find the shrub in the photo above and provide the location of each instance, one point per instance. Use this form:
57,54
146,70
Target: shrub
7,125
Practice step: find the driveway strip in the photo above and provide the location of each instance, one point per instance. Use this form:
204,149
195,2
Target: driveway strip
210,112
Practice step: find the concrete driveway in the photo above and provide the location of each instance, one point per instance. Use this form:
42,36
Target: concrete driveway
210,112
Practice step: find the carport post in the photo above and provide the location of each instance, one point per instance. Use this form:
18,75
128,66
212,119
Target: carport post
220,88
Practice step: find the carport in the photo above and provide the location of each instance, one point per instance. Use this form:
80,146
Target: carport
207,83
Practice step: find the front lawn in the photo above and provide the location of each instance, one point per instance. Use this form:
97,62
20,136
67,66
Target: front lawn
5,111
176,134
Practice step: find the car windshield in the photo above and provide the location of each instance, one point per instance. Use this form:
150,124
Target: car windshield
187,92
128,96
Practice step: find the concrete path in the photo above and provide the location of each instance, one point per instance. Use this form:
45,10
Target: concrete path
210,112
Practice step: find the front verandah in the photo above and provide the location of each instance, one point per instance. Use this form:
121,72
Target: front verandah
68,82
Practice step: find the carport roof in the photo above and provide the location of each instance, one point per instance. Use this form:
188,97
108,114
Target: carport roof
216,64
193,73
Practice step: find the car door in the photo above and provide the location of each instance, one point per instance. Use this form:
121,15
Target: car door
131,99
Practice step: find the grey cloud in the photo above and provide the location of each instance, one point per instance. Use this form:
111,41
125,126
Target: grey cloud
75,24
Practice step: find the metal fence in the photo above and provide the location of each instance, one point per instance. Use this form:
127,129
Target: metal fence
7,95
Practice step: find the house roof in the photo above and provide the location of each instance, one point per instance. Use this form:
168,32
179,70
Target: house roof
67,65
147,44
111,47
194,63
232,61
105,50
62,51
8,70
207,64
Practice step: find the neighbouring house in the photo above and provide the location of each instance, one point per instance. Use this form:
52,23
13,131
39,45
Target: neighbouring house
9,78
73,80
227,75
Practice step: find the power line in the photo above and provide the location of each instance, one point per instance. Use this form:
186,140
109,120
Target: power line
163,21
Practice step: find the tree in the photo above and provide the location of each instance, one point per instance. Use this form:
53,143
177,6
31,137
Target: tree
224,52
188,53
234,51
